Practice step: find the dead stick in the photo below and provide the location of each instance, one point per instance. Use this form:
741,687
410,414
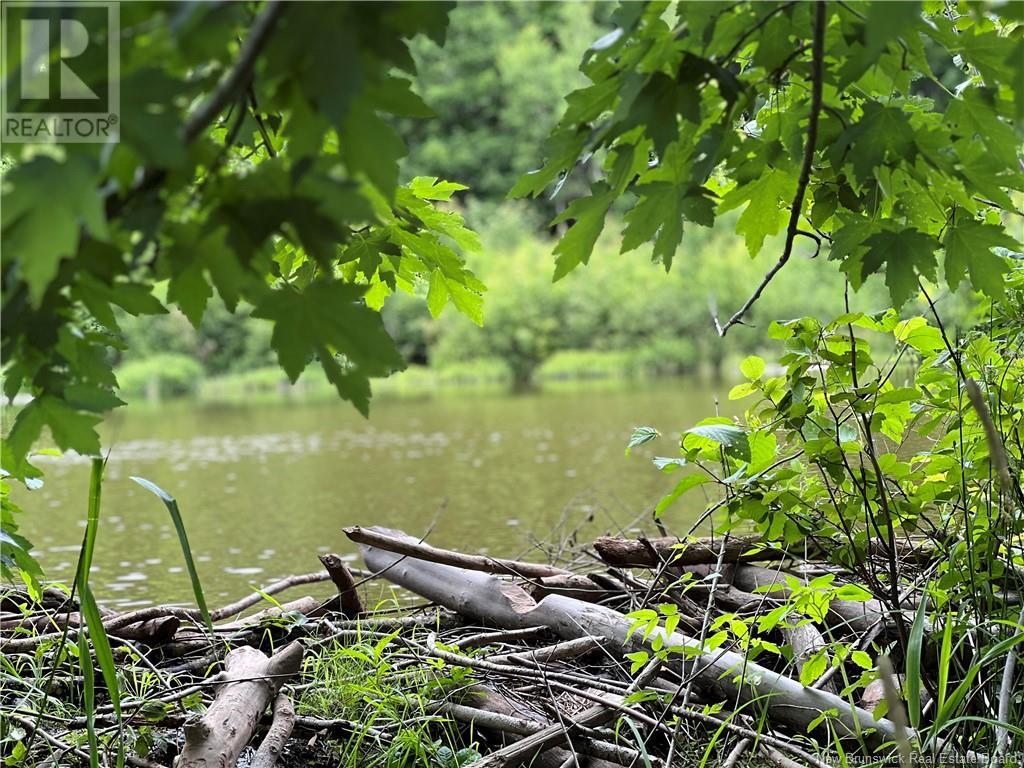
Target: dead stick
395,541
277,735
342,578
497,721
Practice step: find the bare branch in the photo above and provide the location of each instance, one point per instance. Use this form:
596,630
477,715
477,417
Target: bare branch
817,57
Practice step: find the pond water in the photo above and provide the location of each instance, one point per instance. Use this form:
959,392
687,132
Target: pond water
264,488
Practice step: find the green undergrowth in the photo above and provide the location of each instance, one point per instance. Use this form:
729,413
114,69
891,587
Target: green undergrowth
373,684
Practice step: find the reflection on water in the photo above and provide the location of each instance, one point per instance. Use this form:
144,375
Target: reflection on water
264,489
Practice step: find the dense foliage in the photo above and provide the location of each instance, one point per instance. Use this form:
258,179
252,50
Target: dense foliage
266,172
262,175
865,456
811,118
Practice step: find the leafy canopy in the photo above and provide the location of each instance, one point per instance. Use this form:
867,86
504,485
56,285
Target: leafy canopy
264,171
854,142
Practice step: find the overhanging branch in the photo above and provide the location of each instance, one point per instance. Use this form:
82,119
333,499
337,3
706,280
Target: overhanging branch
817,67
237,80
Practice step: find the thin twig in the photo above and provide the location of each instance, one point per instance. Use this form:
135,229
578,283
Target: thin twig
817,67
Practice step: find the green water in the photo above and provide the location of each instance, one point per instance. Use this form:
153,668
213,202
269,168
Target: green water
265,488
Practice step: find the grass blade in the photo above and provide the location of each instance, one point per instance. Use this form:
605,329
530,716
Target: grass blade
97,634
945,656
89,686
172,508
914,643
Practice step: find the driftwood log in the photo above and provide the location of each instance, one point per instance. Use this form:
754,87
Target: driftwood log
487,598
348,598
652,552
395,541
251,680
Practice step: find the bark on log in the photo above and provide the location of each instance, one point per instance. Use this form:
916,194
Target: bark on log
572,585
304,605
650,553
403,544
484,597
151,632
277,735
251,681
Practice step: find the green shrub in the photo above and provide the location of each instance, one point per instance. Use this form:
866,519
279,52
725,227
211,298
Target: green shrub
572,364
483,370
160,376
666,356
268,382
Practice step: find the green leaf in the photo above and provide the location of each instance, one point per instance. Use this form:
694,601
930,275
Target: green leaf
853,592
466,301
814,667
740,391
668,464
657,212
577,244
905,254
640,436
70,429
752,367
327,313
762,451
179,526
914,648
882,134
371,146
190,291
429,188
45,206
969,247
974,114
767,197
725,434
885,22
437,293
395,96
684,485
862,659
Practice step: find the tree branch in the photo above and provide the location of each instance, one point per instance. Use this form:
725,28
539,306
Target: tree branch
230,88
817,66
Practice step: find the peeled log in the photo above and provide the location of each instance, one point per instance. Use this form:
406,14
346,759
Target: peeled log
484,597
806,640
277,735
251,681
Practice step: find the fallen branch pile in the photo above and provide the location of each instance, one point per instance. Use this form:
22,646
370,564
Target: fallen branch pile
522,663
